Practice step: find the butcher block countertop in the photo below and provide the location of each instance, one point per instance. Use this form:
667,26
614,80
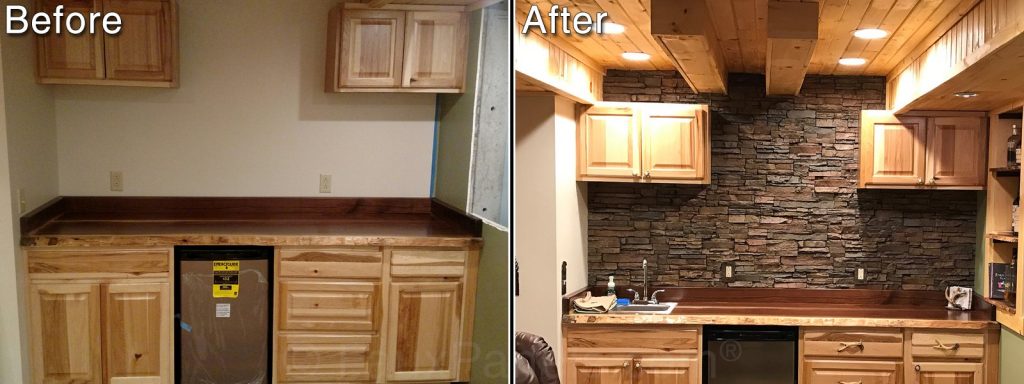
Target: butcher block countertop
797,307
168,221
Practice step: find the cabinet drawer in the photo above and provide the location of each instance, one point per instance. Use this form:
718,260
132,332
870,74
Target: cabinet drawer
947,344
852,371
350,306
632,340
417,262
98,263
327,358
335,262
854,343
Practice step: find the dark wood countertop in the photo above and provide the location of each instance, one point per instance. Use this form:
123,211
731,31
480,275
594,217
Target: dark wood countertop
799,307
156,221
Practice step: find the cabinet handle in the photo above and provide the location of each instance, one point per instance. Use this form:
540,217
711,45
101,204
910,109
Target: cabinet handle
942,347
851,382
845,346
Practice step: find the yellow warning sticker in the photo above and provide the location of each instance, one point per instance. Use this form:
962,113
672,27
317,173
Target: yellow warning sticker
225,279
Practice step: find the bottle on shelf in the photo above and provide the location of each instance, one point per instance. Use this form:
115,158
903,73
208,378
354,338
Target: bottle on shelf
1013,148
1011,279
1013,214
611,286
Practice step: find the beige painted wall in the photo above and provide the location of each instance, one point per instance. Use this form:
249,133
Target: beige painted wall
550,212
28,163
250,118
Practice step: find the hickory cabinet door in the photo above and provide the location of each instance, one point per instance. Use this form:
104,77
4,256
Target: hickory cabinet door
371,48
956,151
609,142
70,56
65,327
949,373
599,370
851,371
667,371
423,331
892,149
143,49
137,338
673,141
435,50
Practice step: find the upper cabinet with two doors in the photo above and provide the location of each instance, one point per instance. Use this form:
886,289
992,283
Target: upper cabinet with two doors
396,48
644,142
922,151
144,53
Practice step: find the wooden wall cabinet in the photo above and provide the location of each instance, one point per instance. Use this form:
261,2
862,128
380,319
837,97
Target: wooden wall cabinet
922,151
396,48
644,143
144,54
94,326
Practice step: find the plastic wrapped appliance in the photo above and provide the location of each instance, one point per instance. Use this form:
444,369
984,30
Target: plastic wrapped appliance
222,311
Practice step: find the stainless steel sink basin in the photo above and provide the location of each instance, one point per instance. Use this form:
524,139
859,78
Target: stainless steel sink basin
657,309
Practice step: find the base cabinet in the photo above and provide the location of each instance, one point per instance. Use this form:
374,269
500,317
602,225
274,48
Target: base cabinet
667,371
65,320
948,373
137,338
599,370
423,331
864,372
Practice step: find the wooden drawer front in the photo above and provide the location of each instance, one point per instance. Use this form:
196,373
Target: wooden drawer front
854,343
947,344
632,340
353,263
416,262
327,358
98,263
851,371
349,306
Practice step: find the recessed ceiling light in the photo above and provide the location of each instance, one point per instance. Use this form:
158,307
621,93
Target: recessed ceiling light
611,28
852,61
635,56
870,33
966,95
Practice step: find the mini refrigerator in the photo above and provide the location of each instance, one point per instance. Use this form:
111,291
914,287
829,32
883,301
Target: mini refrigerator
223,311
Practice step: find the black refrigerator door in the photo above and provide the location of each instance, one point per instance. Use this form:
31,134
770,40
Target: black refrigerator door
223,310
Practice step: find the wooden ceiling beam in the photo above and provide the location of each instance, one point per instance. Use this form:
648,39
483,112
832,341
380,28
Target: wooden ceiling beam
684,31
792,34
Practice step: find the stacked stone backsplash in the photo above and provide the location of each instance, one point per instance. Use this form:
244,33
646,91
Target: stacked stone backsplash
783,204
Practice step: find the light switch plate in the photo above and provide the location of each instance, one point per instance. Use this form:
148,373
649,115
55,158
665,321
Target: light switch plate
22,204
116,181
860,274
325,183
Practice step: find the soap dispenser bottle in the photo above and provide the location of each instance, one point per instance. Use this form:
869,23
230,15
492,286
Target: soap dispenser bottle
611,285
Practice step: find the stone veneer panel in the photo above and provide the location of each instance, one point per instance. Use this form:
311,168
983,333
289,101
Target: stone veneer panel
783,205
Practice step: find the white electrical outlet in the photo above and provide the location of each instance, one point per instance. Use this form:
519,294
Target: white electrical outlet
860,274
22,205
325,183
728,271
116,181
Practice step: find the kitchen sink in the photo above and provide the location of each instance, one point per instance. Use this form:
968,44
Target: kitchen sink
659,309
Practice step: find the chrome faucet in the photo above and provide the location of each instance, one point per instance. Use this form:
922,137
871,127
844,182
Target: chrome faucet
653,299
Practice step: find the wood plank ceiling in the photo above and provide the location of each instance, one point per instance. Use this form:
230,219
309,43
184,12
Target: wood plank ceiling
741,27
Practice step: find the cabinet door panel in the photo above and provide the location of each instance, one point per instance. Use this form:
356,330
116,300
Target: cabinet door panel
851,371
599,370
667,371
949,373
70,56
892,149
143,50
351,306
371,48
327,358
137,321
435,54
673,141
423,330
956,151
65,333
609,142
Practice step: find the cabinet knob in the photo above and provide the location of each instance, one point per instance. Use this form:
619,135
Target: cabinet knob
637,365
647,174
920,181
917,368
625,364
635,174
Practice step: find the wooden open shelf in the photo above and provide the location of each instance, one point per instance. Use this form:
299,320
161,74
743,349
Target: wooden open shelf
1004,237
1005,172
1002,188
1002,305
